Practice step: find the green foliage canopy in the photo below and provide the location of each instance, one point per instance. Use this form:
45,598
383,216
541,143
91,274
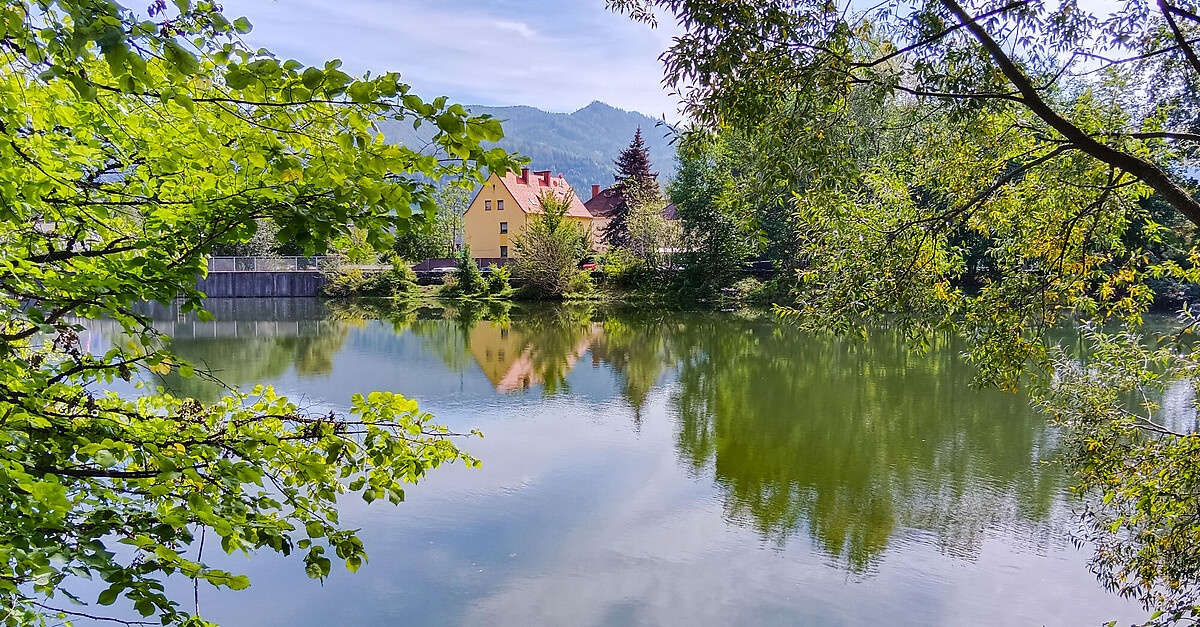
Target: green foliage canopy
129,148
985,167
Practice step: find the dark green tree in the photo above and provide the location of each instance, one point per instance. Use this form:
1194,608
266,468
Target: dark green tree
634,183
470,279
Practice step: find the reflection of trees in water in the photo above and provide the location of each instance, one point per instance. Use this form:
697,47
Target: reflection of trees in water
634,346
237,361
517,347
555,338
360,311
849,442
446,333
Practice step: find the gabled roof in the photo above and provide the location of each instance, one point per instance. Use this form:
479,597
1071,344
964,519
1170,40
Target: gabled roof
603,205
527,187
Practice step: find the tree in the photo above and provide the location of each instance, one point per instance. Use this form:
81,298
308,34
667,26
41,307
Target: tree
549,248
634,183
714,244
129,148
439,237
910,142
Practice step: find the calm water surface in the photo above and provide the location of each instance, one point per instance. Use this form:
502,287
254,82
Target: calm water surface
654,468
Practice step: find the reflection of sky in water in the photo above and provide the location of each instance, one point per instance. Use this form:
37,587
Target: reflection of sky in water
583,515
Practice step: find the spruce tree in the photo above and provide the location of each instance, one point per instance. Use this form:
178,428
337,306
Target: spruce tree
636,184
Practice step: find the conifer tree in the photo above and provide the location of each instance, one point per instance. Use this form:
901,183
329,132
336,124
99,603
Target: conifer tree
636,184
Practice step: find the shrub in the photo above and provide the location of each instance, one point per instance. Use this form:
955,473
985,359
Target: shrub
624,269
449,285
497,279
397,280
581,283
470,279
344,284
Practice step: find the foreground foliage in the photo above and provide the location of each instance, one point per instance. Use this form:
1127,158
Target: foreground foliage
129,149
995,168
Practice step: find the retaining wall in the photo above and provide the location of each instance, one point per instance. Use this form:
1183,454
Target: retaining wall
261,284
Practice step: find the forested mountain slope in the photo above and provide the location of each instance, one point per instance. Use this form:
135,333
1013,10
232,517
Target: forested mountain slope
580,145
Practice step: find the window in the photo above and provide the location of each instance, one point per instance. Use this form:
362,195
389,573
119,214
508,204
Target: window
503,227
499,205
487,205
504,251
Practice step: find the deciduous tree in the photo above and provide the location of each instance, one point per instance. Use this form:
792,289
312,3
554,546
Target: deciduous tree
979,166
549,248
129,148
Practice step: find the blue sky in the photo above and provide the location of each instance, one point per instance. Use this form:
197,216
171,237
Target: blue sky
557,55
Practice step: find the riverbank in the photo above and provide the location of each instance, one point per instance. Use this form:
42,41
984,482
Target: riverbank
400,283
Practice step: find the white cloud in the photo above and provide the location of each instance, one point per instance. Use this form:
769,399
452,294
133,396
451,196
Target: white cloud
554,55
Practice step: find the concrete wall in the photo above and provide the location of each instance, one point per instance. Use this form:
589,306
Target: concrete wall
261,284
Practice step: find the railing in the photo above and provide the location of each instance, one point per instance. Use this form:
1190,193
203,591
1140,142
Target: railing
267,264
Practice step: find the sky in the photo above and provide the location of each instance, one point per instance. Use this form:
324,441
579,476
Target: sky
556,55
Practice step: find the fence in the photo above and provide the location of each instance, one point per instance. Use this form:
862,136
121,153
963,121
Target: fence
266,264
452,262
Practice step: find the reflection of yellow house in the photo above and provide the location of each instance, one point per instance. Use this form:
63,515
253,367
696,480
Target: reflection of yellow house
505,203
506,356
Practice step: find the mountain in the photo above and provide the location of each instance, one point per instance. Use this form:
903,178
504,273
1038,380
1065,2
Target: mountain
581,145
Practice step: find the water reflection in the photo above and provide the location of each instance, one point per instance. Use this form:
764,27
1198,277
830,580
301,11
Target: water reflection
849,442
849,452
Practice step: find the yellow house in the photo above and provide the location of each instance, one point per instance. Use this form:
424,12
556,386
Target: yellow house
505,203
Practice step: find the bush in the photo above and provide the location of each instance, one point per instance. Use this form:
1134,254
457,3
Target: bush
624,269
344,284
398,280
449,285
497,279
470,279
581,283
549,249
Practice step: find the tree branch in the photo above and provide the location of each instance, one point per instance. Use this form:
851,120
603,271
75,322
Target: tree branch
1149,173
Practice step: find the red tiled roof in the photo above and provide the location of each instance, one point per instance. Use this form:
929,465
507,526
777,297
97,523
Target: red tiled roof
526,187
603,205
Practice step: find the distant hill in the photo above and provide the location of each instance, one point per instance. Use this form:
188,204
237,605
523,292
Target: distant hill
581,145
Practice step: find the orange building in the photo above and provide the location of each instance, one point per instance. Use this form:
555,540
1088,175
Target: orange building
505,203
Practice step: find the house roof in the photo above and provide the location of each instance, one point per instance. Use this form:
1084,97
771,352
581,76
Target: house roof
603,205
526,187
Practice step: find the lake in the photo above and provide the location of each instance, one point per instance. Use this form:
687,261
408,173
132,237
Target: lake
663,468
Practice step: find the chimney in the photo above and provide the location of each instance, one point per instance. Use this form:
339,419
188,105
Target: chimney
525,175
595,191
544,175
